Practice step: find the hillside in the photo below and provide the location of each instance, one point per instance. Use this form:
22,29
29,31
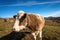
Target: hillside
51,31
57,19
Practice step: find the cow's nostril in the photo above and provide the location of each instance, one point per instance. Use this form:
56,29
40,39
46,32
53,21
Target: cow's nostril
13,29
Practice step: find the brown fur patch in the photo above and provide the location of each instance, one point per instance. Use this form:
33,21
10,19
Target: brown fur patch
34,22
23,20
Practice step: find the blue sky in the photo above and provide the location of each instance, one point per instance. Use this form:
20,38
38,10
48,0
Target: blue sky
46,8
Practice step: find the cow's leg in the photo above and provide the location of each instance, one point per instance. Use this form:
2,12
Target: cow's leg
40,35
34,35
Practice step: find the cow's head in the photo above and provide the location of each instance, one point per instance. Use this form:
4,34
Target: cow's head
20,21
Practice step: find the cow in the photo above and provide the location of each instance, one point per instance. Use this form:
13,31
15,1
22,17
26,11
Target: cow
32,21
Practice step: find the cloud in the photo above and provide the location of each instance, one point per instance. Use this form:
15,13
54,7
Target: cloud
49,2
55,14
30,3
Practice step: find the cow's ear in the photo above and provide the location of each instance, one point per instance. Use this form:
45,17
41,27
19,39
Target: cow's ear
14,16
25,14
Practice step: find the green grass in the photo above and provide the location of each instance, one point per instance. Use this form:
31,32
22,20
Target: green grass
51,31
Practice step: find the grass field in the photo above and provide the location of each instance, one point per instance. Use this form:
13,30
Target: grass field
51,31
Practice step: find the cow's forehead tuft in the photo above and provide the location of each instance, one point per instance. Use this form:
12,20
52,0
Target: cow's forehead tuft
21,11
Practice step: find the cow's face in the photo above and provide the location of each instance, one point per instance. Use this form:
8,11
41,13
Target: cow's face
20,22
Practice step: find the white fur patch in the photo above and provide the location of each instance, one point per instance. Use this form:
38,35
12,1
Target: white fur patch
17,27
21,13
40,34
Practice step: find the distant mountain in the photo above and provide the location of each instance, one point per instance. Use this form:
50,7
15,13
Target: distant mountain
57,19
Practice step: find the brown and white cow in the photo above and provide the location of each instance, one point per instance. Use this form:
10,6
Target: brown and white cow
32,21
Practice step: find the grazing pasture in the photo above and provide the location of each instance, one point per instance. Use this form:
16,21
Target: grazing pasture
51,31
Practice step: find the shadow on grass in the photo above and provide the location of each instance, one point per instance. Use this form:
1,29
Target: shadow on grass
23,36
15,36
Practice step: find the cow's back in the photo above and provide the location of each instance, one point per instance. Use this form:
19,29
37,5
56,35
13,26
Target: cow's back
34,22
